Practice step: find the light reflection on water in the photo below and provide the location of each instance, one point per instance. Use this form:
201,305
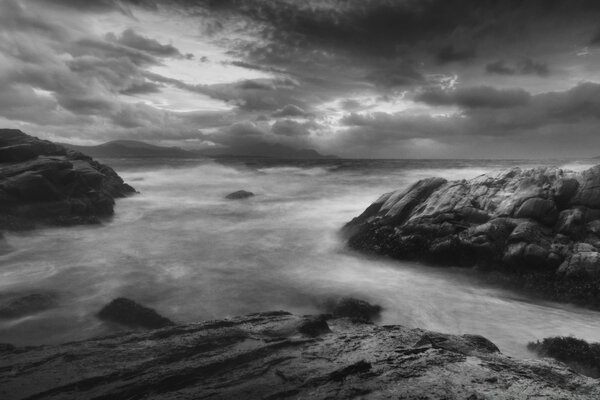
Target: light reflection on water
182,249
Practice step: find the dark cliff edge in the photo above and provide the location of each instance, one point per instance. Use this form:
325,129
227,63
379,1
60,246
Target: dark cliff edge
42,183
278,355
536,229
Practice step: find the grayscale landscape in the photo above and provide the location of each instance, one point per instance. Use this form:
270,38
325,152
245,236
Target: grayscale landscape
277,199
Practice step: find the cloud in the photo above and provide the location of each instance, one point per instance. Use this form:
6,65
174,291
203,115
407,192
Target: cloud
475,97
131,39
450,53
288,127
524,67
290,110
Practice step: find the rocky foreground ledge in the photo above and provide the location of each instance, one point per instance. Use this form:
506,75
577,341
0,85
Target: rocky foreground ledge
45,183
277,355
540,225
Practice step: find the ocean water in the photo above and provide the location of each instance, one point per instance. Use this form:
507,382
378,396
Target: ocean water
184,250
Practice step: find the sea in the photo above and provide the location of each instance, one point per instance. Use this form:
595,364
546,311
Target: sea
181,248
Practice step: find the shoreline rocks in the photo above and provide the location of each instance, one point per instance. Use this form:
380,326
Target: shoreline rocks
239,195
42,183
540,221
267,356
128,313
578,354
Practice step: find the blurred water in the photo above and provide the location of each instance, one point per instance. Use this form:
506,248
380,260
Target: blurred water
182,249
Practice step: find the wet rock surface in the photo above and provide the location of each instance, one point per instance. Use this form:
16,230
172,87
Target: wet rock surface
17,306
542,222
239,195
45,183
128,313
578,354
266,356
355,309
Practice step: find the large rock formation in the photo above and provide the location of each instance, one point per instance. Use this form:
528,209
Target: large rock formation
45,183
265,356
542,221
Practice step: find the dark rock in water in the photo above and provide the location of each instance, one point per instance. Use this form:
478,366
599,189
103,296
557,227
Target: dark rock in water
45,183
240,194
314,326
129,313
21,306
543,221
580,355
349,307
239,358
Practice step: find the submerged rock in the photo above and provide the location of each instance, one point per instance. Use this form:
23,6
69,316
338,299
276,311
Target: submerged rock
259,357
544,221
240,194
129,313
20,306
348,307
45,183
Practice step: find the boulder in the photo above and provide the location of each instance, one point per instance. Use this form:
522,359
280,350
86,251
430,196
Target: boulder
127,312
349,307
578,354
45,183
21,306
519,221
239,195
581,264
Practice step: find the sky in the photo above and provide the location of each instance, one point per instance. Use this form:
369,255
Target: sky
353,78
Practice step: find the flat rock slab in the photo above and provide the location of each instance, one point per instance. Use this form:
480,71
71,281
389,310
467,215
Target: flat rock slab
265,356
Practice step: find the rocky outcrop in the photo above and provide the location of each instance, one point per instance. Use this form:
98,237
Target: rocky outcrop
544,221
45,183
578,354
239,195
17,306
266,356
127,312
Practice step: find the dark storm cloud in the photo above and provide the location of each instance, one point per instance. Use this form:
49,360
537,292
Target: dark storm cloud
524,67
450,53
595,41
485,113
288,127
476,97
130,38
397,75
141,88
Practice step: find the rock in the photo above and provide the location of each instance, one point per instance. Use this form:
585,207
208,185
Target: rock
131,314
582,264
314,326
518,222
20,306
45,183
240,194
356,309
465,344
580,355
242,358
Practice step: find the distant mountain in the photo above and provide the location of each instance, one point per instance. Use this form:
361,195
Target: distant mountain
137,149
131,149
266,150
